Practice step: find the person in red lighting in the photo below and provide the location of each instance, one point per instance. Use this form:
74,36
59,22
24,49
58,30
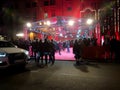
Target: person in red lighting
59,47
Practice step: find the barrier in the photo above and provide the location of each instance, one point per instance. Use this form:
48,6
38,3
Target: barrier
96,52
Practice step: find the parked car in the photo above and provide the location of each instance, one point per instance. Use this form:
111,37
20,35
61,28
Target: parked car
11,55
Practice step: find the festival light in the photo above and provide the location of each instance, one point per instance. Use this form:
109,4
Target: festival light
40,23
61,34
71,22
89,21
20,35
48,23
28,24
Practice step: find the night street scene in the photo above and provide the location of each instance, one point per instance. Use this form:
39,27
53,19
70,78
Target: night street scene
59,44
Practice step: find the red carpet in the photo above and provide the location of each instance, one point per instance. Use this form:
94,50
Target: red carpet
65,55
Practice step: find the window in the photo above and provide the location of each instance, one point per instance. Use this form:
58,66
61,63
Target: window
81,0
27,5
34,4
46,3
69,8
52,2
94,5
16,6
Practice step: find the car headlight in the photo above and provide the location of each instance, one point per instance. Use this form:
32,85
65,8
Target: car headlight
2,54
27,54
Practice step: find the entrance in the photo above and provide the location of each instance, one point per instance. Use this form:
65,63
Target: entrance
63,29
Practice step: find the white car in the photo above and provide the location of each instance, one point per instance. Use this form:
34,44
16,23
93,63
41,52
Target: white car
11,55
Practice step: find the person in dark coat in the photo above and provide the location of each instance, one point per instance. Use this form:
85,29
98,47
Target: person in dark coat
40,52
115,49
52,51
76,51
35,45
46,50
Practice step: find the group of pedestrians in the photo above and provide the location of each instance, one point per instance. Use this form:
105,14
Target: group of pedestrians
62,45
78,49
43,51
115,49
112,48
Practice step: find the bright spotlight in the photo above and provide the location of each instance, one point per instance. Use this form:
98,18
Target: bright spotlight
48,23
20,35
77,36
40,23
65,36
61,34
28,24
71,22
89,21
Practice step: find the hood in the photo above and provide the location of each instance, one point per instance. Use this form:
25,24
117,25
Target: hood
11,50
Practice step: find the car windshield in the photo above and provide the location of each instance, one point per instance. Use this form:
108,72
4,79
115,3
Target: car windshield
6,44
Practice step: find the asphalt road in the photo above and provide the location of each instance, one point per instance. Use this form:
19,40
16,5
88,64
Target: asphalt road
63,75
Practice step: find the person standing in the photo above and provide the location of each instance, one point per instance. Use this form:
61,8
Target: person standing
35,44
46,50
68,46
113,48
40,53
52,51
76,51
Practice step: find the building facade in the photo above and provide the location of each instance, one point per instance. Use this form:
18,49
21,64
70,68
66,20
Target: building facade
105,12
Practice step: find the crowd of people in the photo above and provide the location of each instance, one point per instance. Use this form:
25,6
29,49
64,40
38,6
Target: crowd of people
44,49
113,47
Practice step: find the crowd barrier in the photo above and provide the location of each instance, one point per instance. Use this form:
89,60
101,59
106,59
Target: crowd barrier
90,52
96,52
